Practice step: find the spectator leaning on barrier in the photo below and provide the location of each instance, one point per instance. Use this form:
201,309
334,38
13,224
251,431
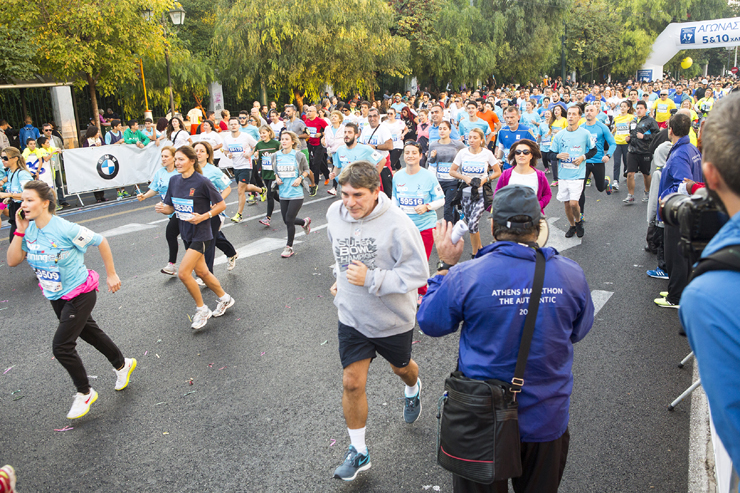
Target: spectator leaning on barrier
115,134
708,304
487,294
132,135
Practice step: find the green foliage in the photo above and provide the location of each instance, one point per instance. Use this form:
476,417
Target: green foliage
17,49
197,32
590,34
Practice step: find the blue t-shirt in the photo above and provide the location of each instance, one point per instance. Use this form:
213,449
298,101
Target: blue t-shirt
56,253
545,140
3,174
466,126
507,138
532,119
434,133
16,180
217,177
345,156
161,181
590,97
576,144
252,131
599,134
287,170
193,194
417,189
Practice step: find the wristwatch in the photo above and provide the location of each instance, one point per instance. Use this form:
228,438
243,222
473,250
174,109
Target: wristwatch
442,265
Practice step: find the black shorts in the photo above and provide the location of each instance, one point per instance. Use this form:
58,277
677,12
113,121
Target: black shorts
242,175
354,347
639,162
198,246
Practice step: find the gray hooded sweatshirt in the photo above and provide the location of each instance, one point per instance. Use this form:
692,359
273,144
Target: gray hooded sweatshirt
389,243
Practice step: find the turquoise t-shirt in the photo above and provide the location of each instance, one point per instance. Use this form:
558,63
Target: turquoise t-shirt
16,180
287,171
417,189
545,139
466,126
576,144
56,253
161,180
217,177
344,156
252,131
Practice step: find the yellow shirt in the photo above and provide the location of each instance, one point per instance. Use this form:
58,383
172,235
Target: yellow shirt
581,121
622,127
692,137
558,125
663,109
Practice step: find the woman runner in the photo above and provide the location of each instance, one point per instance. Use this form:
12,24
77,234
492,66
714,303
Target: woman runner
194,199
55,249
17,176
621,131
291,168
265,149
441,154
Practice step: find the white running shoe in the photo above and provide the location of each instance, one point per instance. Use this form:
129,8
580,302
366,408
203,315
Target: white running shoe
222,306
170,269
200,281
232,262
307,225
615,186
123,375
201,318
81,404
287,252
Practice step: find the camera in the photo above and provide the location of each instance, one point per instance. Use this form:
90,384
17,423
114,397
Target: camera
698,217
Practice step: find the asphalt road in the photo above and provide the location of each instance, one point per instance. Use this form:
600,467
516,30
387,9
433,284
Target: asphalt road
263,413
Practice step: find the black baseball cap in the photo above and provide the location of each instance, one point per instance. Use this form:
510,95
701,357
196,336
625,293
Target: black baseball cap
515,200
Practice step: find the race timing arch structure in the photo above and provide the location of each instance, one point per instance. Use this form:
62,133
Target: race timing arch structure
717,33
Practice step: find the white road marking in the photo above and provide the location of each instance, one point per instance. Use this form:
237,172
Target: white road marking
256,247
557,238
600,298
125,229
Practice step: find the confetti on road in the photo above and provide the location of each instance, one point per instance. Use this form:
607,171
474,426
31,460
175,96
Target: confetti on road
324,342
5,301
159,340
238,319
191,392
211,365
66,428
262,353
146,352
300,298
155,354
415,342
190,381
332,442
189,317
15,392
92,376
165,433
19,397
221,368
320,296
6,371
158,403
286,306
4,308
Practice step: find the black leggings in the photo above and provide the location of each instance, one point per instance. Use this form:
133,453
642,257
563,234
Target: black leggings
599,181
317,160
395,155
13,207
171,233
289,209
550,160
620,153
75,321
271,197
256,176
219,242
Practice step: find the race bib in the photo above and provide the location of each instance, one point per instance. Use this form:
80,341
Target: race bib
473,168
546,139
593,140
408,204
312,131
267,162
183,208
443,171
286,171
568,163
234,148
49,279
622,129
633,126
662,108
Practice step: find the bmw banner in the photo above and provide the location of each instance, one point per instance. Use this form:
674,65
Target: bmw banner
98,168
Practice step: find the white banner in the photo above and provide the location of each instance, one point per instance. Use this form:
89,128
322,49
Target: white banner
112,166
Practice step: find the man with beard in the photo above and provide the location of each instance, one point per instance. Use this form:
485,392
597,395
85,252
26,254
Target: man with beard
353,151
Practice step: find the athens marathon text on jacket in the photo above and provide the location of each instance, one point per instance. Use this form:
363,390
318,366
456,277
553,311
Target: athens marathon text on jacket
490,296
390,245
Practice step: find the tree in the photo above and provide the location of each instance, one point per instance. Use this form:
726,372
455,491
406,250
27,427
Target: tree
17,49
304,45
590,38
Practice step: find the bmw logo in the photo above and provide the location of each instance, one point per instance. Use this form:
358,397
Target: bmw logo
108,166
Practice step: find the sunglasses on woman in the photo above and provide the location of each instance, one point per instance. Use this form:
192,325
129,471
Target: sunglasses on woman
519,152
412,143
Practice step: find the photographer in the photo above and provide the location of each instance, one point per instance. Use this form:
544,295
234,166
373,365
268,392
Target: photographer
709,303
489,295
684,161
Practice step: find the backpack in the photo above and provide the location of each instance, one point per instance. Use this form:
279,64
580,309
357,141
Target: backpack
727,258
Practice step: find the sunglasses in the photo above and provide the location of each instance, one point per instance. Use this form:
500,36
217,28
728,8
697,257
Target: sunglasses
519,152
242,117
412,143
6,158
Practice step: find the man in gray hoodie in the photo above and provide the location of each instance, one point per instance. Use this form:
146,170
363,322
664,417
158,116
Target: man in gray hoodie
380,262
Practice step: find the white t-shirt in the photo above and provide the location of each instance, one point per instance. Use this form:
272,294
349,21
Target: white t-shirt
277,128
237,146
179,138
195,115
529,180
380,135
212,138
396,127
474,165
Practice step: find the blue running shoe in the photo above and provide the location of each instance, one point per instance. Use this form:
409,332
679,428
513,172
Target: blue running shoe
608,186
658,274
354,462
412,408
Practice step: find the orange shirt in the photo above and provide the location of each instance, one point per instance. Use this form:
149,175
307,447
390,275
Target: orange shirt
490,117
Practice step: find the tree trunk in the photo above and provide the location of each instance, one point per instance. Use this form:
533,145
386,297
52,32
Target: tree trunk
93,100
298,100
24,106
263,93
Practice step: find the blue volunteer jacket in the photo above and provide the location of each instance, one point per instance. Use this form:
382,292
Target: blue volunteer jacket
684,161
709,315
490,296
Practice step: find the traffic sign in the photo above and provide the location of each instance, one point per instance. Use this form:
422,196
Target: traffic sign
733,70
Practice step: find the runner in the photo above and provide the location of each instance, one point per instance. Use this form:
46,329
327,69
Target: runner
573,146
379,264
352,151
418,193
622,124
265,149
298,127
208,134
55,248
471,164
34,157
17,176
276,124
642,132
239,147
291,168
204,152
333,140
194,199
661,109
558,124
544,138
599,134
512,132
398,133
315,127
159,184
704,105
379,137
523,156
441,155
473,121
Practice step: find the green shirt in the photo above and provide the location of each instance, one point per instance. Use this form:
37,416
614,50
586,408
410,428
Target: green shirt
265,150
131,137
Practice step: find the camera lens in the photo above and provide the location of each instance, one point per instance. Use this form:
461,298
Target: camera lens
670,206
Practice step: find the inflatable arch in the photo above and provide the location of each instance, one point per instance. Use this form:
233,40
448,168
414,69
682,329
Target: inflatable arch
717,33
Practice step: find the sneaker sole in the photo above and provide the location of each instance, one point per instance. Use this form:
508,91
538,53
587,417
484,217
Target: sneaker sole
658,277
130,371
359,470
168,273
92,401
228,305
210,314
232,265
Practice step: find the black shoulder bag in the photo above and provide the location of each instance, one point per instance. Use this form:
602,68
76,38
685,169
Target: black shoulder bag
728,258
478,421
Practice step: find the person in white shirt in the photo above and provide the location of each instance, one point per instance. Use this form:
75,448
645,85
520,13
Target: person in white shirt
379,137
239,147
334,139
398,132
208,134
276,124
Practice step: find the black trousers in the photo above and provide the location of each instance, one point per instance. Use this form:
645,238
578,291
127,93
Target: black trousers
13,207
599,173
677,264
317,162
171,233
219,242
271,197
395,155
75,321
549,160
386,178
543,465
289,209
450,190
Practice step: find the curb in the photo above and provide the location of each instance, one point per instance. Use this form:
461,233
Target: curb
701,452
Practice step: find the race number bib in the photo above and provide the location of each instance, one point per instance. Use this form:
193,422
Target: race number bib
473,168
183,208
408,204
569,163
286,171
235,148
312,131
546,139
443,171
662,108
49,279
622,129
267,162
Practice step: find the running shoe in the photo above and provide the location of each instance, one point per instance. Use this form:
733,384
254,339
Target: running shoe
645,196
81,404
554,184
7,479
125,194
263,194
664,303
658,273
307,225
412,406
237,218
629,199
251,200
354,462
169,269
222,306
579,228
663,294
588,182
265,221
615,186
232,261
608,186
287,252
332,191
123,375
201,318
119,196
59,207
312,190
571,231
326,182
547,171
200,281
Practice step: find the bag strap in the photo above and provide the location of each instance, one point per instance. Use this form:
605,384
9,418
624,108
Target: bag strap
727,258
534,304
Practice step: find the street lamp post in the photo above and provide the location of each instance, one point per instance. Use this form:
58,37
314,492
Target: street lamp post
177,15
